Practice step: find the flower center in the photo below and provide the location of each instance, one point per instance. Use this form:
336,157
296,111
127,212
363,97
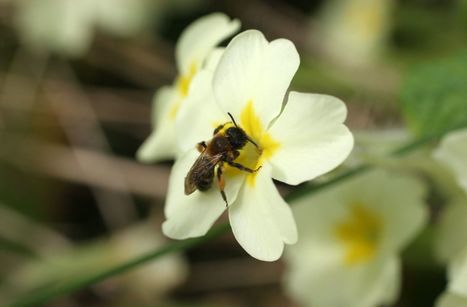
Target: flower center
250,156
360,233
183,85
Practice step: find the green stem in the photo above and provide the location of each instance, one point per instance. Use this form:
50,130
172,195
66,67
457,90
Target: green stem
44,295
7,245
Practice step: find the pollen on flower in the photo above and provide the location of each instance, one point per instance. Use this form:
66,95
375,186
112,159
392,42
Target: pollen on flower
251,156
184,81
183,85
360,233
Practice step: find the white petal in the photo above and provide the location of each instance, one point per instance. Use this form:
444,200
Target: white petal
399,201
199,38
453,153
458,274
160,144
200,114
213,59
161,103
449,299
395,200
453,223
70,32
157,147
261,220
122,17
319,279
252,69
193,215
313,139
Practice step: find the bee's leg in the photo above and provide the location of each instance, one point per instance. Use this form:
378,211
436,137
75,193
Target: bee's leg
201,146
243,168
221,183
219,128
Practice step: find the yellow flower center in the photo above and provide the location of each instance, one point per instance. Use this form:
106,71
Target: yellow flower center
360,233
250,156
183,85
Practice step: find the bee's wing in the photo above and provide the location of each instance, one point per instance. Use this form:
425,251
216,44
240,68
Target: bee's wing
203,165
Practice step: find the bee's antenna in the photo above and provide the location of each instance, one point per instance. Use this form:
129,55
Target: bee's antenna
252,142
233,120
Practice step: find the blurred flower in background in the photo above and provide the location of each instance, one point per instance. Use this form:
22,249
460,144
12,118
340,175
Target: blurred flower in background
193,48
453,221
451,300
351,238
354,32
453,153
68,27
451,242
456,294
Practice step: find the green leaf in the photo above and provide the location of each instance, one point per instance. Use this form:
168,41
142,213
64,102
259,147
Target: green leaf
434,96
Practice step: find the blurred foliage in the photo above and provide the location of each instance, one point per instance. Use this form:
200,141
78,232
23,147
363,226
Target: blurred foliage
434,95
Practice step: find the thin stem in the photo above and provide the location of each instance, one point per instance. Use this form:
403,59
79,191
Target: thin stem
44,295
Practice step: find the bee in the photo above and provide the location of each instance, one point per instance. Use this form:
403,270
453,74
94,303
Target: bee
222,149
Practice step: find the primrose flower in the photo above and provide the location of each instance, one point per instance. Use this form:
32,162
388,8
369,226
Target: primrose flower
451,300
196,43
450,240
67,26
351,236
295,143
452,152
354,31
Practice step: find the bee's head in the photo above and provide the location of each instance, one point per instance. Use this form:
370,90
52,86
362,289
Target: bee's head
237,137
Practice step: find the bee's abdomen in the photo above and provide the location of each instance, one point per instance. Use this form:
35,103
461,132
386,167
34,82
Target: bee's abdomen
204,184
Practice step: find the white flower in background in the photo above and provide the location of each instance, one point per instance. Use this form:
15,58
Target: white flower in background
451,244
452,152
451,300
298,142
456,293
351,237
63,26
196,43
67,26
125,17
452,227
354,31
